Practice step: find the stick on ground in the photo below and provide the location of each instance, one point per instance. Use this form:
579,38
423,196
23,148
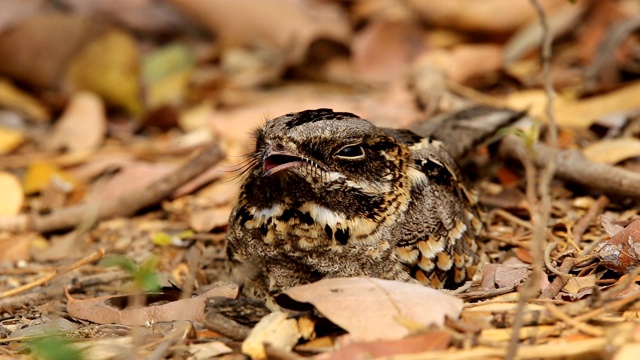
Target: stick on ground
125,205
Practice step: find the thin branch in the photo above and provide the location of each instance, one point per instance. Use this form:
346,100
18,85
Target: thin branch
125,205
540,211
573,167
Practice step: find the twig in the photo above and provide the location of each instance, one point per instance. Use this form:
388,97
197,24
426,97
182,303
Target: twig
509,217
575,168
540,212
125,205
549,265
594,210
583,327
86,260
578,230
226,327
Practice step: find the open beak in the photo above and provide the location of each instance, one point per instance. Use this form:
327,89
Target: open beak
277,160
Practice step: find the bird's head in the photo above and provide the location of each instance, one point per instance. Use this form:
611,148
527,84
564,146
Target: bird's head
328,157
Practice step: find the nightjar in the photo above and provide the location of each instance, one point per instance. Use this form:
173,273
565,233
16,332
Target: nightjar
328,194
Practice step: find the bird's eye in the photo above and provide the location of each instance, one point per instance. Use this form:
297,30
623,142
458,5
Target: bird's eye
351,152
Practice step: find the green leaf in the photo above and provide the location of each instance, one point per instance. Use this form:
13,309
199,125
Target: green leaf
54,348
125,263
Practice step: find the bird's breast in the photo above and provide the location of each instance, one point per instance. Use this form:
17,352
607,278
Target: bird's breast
309,226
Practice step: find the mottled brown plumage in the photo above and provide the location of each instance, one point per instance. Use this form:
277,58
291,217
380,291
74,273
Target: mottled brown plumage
328,194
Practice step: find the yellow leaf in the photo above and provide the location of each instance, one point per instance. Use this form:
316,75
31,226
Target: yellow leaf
41,173
580,113
10,139
161,239
108,66
167,72
612,151
14,98
12,194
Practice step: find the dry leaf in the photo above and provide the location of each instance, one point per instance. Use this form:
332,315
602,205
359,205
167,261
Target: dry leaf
435,340
12,194
82,126
287,25
108,66
12,12
356,304
101,310
461,64
132,177
276,329
612,151
16,247
13,98
167,72
208,219
41,173
37,50
528,37
627,352
10,139
577,283
207,350
382,51
622,252
609,226
140,15
483,16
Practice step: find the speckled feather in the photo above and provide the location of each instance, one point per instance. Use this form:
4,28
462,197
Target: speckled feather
328,194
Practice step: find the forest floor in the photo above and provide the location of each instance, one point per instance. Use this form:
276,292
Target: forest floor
123,126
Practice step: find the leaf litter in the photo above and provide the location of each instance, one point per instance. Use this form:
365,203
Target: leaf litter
98,131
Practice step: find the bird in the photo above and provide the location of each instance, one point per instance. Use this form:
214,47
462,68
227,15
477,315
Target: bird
328,194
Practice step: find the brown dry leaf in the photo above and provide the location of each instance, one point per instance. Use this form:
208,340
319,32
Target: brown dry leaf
108,66
37,50
132,177
576,284
101,310
496,276
461,63
59,247
622,252
561,20
13,98
612,151
99,164
140,15
10,139
14,247
627,352
207,350
206,220
434,340
382,51
41,173
12,194
277,329
485,16
357,304
82,126
609,226
13,11
287,25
